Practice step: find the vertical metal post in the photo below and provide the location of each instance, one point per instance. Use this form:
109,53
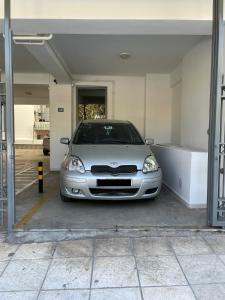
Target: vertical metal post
1,154
215,110
9,118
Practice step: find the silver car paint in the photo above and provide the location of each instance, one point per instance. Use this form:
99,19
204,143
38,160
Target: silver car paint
107,154
114,156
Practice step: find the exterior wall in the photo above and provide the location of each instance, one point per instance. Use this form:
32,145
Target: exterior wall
24,122
96,9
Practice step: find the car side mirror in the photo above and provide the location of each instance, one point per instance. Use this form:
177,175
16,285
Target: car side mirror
65,141
149,141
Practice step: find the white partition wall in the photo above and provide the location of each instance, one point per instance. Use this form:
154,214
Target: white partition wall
184,172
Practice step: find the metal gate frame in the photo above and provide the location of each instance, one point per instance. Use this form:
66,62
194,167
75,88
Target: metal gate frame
216,146
9,119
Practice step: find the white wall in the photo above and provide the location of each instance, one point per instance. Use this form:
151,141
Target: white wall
190,84
129,100
158,111
24,122
128,96
176,113
195,96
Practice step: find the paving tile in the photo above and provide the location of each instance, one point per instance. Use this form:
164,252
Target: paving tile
7,251
64,295
168,293
189,245
113,247
69,273
222,257
116,294
152,246
203,268
74,248
24,275
209,291
217,242
19,295
114,272
3,264
160,270
35,251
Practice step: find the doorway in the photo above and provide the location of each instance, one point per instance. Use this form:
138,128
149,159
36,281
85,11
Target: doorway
91,103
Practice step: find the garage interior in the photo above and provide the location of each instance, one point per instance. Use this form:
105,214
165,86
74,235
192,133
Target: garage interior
162,85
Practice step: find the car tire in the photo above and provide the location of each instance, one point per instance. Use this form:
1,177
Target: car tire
45,152
64,198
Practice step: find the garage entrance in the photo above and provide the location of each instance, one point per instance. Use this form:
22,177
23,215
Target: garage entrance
143,88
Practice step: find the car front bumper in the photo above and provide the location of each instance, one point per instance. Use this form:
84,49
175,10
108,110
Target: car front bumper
84,186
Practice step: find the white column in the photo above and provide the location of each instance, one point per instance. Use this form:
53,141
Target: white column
60,99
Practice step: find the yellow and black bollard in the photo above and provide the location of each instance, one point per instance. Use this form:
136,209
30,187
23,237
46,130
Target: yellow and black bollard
40,177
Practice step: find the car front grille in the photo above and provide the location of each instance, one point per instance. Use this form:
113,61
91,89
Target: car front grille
113,192
123,169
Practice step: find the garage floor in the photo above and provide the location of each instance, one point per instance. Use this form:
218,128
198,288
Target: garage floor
47,211
26,167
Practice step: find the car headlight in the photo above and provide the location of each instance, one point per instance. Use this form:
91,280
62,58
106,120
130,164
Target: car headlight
150,164
74,163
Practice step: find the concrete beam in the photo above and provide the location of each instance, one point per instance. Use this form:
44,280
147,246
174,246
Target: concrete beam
48,56
68,26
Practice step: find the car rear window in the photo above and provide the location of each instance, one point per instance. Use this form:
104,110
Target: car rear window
107,133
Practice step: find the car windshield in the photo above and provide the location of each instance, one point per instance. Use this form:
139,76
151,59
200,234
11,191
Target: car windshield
107,133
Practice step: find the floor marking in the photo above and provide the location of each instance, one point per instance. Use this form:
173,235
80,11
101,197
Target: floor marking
21,172
29,184
34,209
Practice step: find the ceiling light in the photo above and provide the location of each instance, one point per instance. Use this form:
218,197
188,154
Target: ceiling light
125,55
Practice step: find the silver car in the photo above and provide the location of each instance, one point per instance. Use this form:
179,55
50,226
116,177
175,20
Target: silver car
108,160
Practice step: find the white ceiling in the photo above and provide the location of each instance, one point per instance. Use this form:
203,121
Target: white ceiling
99,54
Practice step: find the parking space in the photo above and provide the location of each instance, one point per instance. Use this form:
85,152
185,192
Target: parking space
47,211
26,167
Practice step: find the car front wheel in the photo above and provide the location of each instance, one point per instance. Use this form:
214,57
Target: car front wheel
45,152
64,198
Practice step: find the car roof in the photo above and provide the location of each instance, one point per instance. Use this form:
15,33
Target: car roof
104,121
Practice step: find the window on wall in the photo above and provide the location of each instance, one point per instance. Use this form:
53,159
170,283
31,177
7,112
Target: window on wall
91,103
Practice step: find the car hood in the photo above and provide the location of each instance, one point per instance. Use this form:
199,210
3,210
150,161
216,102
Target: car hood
111,155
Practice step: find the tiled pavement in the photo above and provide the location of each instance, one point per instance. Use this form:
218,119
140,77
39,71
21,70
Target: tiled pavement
145,268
